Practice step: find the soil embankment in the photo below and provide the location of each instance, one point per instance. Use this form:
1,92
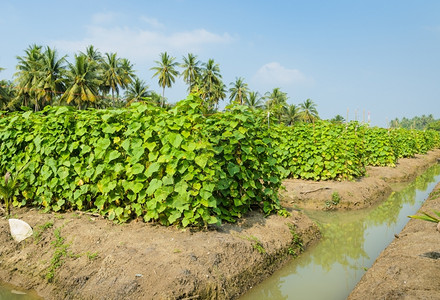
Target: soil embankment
409,267
81,256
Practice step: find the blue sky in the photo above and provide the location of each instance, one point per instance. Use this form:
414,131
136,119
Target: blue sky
378,57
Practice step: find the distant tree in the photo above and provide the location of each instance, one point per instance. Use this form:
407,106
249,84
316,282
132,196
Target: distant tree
308,111
211,85
113,75
337,119
50,76
254,100
166,72
136,91
92,54
276,102
191,71
83,83
417,122
435,125
238,91
27,76
291,115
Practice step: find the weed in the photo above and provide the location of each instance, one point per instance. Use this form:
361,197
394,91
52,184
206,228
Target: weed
256,244
92,256
58,256
335,198
297,242
40,229
427,217
435,194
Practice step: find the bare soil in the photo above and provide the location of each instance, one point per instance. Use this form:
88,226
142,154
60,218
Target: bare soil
143,261
96,259
409,268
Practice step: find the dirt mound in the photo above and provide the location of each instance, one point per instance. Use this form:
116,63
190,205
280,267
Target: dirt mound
100,260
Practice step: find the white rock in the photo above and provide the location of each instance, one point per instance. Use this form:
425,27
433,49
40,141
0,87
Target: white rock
20,230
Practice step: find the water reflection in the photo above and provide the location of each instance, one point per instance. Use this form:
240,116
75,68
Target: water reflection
10,292
351,242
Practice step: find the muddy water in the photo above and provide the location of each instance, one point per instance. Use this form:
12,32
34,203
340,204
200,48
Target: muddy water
351,242
10,292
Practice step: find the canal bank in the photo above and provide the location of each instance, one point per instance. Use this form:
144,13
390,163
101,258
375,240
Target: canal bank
100,260
409,268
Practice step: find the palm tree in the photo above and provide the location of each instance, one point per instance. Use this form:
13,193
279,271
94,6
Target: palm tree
112,75
238,90
50,76
211,81
291,115
127,72
84,82
191,70
218,93
254,100
27,76
276,102
308,111
136,91
166,72
92,54
337,119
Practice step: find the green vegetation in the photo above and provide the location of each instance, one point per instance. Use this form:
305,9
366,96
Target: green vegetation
427,217
297,243
185,164
96,80
419,122
180,166
40,229
59,255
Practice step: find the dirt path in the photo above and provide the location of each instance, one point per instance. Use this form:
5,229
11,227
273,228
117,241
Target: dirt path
80,256
409,268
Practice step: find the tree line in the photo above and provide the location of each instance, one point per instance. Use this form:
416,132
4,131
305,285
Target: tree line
418,122
96,80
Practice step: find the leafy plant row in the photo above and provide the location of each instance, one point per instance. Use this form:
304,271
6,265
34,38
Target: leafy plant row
180,167
175,167
324,150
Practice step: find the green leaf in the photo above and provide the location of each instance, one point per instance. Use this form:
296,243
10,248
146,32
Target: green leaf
201,160
137,168
114,154
233,169
176,140
153,186
137,187
153,168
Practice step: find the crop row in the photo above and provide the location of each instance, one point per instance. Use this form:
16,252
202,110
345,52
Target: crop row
178,166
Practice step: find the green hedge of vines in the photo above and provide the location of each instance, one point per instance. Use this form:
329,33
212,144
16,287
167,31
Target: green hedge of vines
179,166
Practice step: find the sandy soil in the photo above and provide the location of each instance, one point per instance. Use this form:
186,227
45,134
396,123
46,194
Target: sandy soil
143,261
100,260
409,268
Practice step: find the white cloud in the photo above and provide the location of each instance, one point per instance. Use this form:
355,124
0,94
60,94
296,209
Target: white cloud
139,44
152,22
104,18
274,74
